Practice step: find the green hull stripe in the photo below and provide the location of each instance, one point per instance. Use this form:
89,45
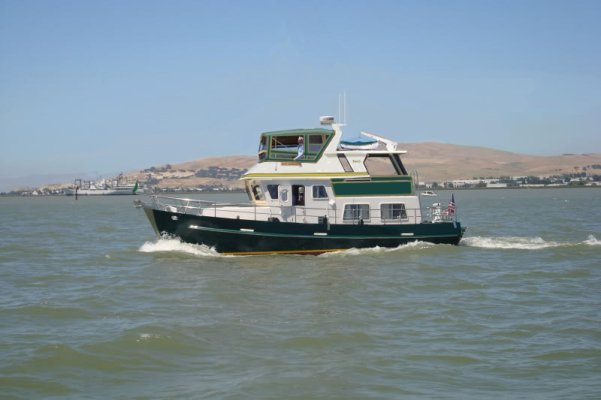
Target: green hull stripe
373,188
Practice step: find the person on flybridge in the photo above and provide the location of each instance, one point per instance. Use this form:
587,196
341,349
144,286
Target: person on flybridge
301,148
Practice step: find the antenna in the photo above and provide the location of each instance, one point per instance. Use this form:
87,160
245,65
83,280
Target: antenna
344,104
342,108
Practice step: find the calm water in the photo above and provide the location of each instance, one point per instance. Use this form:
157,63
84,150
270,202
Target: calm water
92,305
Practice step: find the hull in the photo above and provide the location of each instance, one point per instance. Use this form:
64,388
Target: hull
242,237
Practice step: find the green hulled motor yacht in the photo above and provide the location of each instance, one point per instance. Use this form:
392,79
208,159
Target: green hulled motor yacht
310,193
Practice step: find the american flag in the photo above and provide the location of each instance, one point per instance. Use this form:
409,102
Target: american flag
451,206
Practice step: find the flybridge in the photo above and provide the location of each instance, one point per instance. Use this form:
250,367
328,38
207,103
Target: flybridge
298,145
301,145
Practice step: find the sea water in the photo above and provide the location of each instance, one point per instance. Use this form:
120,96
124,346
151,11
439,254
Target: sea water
93,305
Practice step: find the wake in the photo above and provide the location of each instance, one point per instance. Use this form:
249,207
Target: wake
175,245
522,243
380,250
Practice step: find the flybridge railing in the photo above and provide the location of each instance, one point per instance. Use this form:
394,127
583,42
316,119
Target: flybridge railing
435,214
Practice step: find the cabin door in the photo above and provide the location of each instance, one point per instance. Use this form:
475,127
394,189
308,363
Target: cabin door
298,195
298,202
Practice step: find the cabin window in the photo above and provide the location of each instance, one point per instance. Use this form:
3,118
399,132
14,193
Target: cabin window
344,162
263,148
355,212
263,144
257,193
284,196
319,192
284,143
289,147
300,145
380,165
315,143
273,191
393,212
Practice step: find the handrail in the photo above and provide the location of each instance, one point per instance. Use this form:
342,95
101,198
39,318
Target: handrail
433,214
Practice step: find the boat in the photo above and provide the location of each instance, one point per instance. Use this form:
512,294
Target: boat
103,187
428,193
359,145
309,195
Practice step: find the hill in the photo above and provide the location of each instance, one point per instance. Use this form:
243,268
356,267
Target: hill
433,161
439,162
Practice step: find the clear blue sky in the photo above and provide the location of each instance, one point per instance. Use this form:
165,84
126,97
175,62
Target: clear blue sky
91,87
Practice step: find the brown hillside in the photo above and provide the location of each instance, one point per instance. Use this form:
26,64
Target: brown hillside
439,161
226,162
433,162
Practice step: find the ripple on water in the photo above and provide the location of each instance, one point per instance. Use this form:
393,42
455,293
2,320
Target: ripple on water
25,386
92,305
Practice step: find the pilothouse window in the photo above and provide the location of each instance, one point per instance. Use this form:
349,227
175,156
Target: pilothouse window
263,144
380,165
284,143
299,145
257,193
263,148
315,143
273,191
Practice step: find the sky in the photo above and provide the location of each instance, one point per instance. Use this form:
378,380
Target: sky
90,88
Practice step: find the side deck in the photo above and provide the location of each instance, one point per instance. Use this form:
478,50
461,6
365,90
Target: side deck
358,215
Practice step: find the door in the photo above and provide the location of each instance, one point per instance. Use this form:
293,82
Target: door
285,197
298,195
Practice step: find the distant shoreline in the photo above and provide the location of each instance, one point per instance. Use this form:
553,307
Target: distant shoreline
214,193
